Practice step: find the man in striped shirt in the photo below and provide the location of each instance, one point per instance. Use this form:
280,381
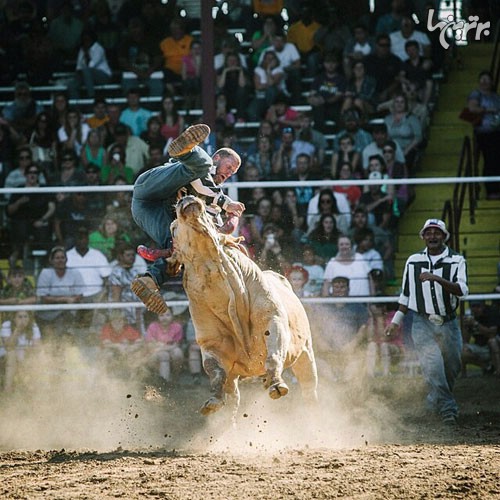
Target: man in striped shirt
433,281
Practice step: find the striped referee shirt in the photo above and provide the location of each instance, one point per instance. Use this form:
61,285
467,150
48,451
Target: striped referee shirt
429,297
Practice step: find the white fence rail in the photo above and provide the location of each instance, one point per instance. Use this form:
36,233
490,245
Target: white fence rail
232,188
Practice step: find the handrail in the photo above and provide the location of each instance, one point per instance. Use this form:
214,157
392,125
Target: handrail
452,209
448,216
495,59
465,169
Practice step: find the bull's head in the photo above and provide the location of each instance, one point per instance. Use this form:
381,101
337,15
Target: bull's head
193,223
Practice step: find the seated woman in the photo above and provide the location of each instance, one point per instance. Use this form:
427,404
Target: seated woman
405,129
346,153
360,91
233,82
164,339
93,151
116,167
152,136
351,265
19,336
268,81
323,238
73,134
92,66
58,284
107,236
353,193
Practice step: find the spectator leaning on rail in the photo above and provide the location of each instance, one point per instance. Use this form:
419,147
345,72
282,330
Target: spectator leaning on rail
433,279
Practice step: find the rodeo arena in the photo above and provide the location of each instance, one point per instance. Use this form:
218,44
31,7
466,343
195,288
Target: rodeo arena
249,249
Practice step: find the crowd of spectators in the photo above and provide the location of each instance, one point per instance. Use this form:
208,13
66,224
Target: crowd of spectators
335,96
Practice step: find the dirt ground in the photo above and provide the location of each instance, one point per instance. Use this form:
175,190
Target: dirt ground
74,433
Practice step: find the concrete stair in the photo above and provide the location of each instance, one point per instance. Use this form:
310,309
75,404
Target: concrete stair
480,242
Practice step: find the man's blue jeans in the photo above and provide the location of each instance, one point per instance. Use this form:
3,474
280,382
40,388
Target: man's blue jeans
153,194
439,350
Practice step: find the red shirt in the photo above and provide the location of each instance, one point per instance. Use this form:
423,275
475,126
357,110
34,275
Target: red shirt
127,334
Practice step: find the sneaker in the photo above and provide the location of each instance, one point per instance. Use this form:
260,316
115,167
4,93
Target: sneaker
190,138
153,254
149,294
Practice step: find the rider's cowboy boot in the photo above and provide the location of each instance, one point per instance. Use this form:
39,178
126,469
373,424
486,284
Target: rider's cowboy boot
152,254
190,138
149,294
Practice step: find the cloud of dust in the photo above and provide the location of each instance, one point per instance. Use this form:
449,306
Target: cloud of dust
354,410
67,399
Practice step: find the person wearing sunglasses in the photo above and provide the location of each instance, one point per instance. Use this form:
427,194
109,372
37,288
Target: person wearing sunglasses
17,176
385,67
21,113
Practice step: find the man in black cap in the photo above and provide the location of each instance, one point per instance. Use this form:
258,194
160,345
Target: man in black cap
433,281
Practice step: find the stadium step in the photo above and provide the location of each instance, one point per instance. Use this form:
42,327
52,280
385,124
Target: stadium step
479,241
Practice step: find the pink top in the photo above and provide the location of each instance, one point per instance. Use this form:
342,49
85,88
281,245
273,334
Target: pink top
190,66
170,131
172,335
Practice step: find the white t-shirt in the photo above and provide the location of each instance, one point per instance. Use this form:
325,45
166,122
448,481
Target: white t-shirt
93,266
357,272
374,259
398,43
62,136
287,56
261,73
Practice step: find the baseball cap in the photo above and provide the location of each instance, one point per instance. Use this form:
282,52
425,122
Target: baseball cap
435,223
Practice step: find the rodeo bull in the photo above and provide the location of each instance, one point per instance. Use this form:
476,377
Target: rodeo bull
248,322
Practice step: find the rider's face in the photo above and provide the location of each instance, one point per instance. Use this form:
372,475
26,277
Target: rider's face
226,167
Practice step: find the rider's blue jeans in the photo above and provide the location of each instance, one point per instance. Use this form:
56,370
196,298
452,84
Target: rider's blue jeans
153,193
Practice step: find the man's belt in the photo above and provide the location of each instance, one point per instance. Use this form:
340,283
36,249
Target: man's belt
438,319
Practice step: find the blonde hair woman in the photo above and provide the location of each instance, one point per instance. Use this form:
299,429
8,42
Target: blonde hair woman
19,336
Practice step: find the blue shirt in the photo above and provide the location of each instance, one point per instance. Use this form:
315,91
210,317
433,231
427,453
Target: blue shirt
136,120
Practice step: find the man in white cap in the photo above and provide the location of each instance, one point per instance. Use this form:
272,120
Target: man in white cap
433,281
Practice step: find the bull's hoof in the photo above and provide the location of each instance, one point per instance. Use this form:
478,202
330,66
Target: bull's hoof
278,390
211,406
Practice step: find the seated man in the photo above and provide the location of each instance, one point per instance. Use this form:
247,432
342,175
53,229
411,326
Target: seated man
155,194
481,338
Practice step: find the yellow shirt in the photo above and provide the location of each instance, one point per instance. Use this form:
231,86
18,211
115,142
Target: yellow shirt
302,36
173,52
268,7
94,122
